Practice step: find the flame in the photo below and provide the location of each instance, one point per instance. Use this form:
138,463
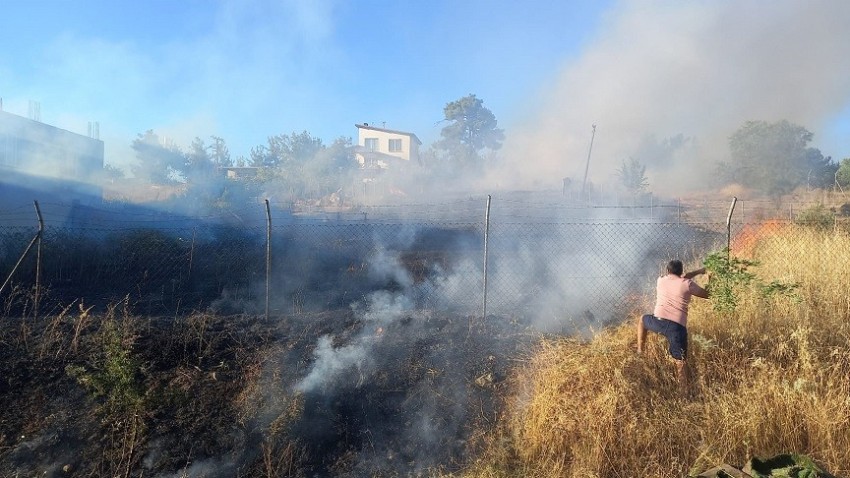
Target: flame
745,242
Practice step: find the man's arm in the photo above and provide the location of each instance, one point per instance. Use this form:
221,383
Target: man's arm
695,289
692,274
698,291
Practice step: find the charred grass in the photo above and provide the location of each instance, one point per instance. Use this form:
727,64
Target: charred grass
112,394
773,377
116,394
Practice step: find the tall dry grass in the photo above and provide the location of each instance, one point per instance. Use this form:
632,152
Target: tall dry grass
774,377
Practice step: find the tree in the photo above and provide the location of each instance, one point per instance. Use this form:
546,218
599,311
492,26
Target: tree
112,173
260,157
775,158
472,128
821,169
219,153
205,187
300,165
633,176
199,165
289,153
842,175
158,162
662,153
298,148
329,168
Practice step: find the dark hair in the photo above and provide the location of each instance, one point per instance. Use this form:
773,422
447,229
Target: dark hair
675,267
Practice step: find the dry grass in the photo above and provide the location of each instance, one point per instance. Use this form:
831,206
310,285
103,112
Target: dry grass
772,378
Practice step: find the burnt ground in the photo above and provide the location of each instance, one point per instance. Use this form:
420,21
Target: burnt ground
116,394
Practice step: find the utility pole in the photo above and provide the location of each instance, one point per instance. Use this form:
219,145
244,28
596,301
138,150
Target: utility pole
587,166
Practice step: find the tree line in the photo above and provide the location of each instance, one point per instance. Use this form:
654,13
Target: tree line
773,158
301,165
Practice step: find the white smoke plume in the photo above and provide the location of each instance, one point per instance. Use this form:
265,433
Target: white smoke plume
700,69
355,357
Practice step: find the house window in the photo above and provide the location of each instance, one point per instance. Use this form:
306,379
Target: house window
371,144
395,145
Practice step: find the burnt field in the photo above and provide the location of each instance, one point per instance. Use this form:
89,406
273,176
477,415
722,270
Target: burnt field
145,351
121,395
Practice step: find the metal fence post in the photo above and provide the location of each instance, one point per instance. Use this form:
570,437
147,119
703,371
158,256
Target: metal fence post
27,250
268,255
486,240
38,259
191,255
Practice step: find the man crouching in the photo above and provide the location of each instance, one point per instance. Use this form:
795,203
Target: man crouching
670,317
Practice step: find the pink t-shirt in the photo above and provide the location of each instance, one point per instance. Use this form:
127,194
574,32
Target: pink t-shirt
673,293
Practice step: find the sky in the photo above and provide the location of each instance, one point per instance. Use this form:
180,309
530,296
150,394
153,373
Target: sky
245,70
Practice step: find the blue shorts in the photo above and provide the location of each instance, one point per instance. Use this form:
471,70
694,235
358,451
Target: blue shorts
676,334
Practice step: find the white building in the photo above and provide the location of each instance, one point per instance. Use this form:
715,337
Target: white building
381,147
35,156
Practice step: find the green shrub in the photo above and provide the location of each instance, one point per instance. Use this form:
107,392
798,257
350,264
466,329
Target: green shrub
731,277
113,373
817,216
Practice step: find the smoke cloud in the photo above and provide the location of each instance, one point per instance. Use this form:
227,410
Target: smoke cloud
355,357
699,69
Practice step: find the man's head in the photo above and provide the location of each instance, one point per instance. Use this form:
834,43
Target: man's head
675,267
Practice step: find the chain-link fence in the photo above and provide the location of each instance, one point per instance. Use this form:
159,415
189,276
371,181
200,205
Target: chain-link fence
544,260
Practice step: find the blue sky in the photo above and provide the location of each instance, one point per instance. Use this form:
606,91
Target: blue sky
249,69
246,70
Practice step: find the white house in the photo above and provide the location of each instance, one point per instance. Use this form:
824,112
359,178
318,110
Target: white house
381,147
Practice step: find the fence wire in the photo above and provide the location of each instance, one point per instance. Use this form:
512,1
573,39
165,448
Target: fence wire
548,262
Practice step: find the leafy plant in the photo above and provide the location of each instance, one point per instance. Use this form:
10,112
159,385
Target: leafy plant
113,375
730,276
817,216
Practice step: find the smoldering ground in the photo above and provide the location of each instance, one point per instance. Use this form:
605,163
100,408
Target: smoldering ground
376,358
402,397
398,388
401,388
